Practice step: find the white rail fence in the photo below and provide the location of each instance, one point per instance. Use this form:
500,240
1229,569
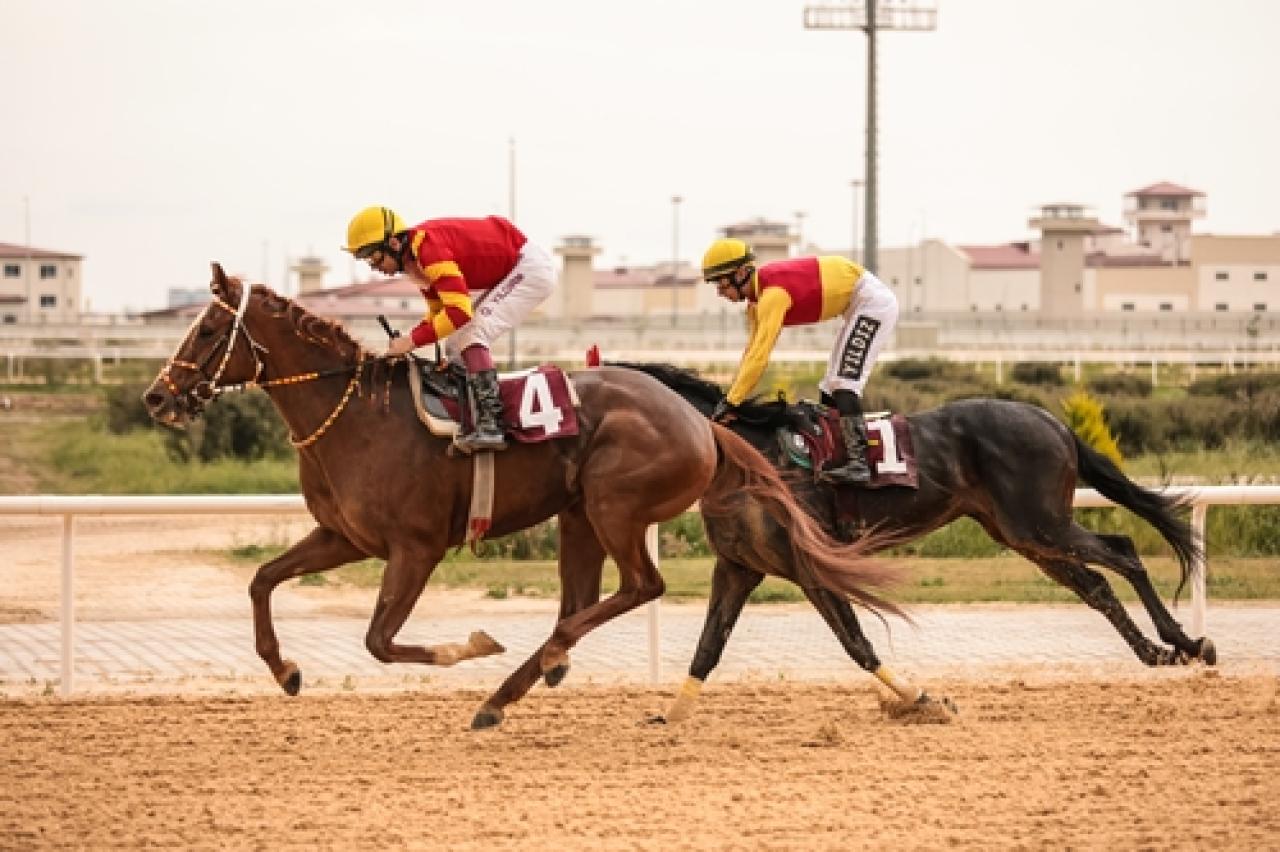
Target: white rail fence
69,508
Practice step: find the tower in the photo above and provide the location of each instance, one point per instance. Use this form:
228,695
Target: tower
1063,226
769,240
577,280
1161,216
310,272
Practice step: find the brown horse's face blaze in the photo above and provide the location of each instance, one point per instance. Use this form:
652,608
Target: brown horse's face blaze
212,355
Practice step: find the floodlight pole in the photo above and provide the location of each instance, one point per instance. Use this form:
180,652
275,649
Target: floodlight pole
869,16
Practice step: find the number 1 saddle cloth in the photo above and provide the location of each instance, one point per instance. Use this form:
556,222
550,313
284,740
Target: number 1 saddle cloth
538,404
812,439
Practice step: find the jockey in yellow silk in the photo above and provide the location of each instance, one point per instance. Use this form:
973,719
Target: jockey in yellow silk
801,291
480,278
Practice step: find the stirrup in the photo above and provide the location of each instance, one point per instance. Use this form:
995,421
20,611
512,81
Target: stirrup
478,440
850,473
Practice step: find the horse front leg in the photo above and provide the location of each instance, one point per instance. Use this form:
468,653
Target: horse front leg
403,580
320,550
839,615
731,587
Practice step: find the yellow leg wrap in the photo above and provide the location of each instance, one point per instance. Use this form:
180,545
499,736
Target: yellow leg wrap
686,698
901,688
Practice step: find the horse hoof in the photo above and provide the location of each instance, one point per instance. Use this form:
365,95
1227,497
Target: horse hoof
656,720
291,678
1207,652
488,717
482,644
555,675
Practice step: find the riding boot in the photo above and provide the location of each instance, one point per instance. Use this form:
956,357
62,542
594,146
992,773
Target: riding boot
853,432
486,414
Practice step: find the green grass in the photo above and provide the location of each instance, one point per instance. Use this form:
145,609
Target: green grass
77,458
999,579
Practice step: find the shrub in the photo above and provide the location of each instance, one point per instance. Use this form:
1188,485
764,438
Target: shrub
1036,373
1084,416
1120,384
125,409
242,426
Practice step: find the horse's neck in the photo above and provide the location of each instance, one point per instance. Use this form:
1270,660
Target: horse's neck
308,382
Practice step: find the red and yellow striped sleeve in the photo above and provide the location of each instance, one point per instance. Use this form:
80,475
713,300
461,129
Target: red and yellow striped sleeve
449,303
765,318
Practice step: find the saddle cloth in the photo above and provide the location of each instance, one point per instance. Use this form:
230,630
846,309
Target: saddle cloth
813,438
538,404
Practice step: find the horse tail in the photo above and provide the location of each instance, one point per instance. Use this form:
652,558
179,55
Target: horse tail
745,475
1155,508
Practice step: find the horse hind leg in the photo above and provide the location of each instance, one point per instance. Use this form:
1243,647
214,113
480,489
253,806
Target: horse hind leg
581,569
1094,590
622,535
1127,564
320,550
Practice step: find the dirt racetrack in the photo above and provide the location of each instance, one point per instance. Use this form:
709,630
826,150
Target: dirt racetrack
1178,760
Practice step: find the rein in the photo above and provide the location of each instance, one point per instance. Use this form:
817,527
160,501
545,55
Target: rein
208,389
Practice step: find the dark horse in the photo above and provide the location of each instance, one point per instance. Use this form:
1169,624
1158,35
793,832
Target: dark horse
1011,467
379,484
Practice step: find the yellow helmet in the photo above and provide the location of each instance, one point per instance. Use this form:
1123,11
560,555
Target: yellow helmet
724,257
372,227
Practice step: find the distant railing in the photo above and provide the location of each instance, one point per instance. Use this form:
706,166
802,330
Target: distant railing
69,508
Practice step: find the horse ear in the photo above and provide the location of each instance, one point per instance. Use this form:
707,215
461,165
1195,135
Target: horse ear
220,286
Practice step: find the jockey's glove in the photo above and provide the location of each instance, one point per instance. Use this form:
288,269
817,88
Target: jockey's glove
725,411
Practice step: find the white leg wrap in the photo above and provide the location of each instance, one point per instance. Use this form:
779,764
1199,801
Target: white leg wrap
901,688
686,698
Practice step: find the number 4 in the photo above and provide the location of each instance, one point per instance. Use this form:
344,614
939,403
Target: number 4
537,408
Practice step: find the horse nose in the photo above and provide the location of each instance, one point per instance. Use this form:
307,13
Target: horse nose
156,403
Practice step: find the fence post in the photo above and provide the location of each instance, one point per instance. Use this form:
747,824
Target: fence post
1199,591
68,605
655,613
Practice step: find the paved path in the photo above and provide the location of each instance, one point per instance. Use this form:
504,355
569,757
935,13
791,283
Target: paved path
771,642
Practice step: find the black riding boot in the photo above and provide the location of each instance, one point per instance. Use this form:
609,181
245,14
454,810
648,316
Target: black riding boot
486,414
853,431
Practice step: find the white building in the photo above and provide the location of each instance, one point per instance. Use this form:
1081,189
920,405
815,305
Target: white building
38,285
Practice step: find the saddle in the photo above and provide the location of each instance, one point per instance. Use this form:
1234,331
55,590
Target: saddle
538,404
810,439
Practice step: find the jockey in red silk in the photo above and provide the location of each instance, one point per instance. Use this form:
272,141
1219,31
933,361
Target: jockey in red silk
802,291
480,278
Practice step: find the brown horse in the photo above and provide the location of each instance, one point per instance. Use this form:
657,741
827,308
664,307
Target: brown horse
379,484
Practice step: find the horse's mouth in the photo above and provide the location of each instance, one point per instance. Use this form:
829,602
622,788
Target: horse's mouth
166,410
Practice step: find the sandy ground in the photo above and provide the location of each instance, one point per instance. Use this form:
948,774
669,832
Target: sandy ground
1181,763
1158,760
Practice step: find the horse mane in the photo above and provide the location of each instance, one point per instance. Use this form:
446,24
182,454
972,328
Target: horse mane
701,392
309,326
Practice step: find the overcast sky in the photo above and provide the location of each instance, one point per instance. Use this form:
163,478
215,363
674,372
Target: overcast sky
153,137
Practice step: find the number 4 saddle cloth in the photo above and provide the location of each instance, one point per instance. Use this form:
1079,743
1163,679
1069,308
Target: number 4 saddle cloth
812,438
538,404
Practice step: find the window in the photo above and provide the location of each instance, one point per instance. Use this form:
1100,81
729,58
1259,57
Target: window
1059,245
1168,204
1166,306
48,270
1259,306
1168,229
1259,276
10,319
47,301
1221,276
12,270
1220,306
1024,306
1127,306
